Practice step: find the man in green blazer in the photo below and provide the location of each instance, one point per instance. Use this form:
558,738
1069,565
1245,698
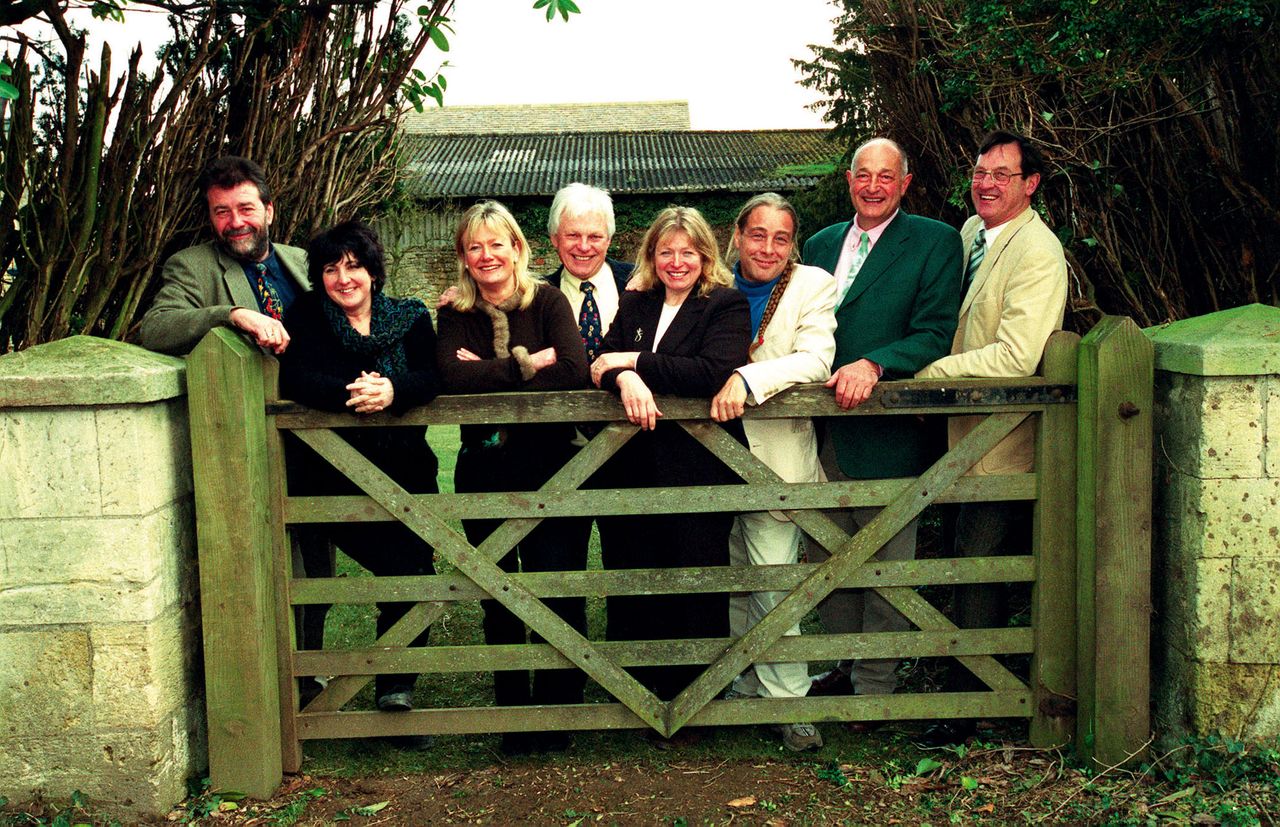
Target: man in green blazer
240,280
899,280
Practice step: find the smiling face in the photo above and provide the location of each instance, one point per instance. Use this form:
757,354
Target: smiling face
490,260
582,241
240,220
998,203
876,184
349,285
678,265
765,243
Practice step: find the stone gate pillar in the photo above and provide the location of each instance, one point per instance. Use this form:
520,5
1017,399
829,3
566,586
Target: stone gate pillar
99,634
1217,524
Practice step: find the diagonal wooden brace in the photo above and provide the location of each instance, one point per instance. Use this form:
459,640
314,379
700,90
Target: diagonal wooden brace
480,566
847,553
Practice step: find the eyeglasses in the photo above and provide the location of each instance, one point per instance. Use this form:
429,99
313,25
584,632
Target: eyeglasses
999,176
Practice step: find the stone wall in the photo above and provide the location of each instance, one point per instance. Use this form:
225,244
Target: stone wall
1217,524
99,628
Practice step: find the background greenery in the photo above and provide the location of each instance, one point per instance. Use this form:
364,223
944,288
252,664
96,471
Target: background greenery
1158,118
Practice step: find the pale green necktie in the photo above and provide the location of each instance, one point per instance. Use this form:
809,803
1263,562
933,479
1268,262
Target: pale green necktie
859,256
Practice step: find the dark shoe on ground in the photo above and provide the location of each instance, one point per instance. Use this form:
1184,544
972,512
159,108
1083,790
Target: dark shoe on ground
515,744
410,742
552,741
833,682
684,738
943,733
399,700
863,727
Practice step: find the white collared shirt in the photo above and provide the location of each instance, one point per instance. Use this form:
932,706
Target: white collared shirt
851,241
606,293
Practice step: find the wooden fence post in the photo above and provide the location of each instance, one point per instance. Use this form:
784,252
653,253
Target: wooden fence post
237,594
1113,543
1053,667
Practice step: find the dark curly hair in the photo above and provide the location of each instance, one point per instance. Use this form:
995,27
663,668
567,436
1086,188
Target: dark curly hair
354,237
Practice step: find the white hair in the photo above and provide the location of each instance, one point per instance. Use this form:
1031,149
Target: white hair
579,200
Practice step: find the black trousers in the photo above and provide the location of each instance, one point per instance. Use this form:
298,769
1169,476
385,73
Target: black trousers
386,549
555,545
664,541
985,530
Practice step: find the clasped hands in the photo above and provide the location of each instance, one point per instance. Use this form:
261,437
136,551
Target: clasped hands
371,393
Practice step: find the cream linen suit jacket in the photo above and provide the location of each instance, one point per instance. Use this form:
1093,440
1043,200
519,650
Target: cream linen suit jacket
1018,297
798,347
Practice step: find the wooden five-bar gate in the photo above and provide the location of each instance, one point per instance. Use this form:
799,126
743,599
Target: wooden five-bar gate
1088,565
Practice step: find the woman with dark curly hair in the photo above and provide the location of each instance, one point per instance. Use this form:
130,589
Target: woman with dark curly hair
355,349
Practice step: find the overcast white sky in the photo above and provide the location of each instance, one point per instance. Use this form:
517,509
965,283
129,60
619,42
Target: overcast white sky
731,59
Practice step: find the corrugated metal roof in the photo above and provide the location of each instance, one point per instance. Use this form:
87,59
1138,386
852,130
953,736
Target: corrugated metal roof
621,116
462,166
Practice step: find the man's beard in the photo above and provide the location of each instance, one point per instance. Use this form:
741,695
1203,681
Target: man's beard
251,247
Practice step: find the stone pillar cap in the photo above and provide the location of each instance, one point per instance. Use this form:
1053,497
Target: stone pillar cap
87,370
1242,341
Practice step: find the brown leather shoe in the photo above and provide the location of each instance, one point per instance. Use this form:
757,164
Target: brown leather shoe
833,682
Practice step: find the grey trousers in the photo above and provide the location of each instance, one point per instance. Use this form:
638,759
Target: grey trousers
862,610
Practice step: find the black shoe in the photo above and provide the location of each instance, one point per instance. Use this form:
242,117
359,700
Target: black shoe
552,741
518,743
397,700
833,682
944,733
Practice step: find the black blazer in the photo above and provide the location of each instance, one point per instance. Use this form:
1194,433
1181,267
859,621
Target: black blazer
706,341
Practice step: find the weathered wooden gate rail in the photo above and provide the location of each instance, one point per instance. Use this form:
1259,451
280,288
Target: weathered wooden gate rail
1090,587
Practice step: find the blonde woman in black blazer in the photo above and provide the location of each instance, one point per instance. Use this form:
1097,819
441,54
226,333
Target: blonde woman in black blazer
680,331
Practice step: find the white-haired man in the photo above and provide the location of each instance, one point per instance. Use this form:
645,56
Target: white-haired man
581,225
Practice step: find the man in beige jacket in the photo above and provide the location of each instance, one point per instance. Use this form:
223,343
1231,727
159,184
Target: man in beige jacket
1015,296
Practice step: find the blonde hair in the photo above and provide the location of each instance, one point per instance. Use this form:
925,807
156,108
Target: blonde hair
764,199
498,219
690,222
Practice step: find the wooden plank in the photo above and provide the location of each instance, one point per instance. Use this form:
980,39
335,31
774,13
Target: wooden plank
607,716
282,570
673,500
933,572
282,574
847,553
979,396
1053,598
486,574
788,649
236,552
575,472
1114,542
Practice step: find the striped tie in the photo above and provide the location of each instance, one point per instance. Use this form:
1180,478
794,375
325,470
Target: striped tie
977,252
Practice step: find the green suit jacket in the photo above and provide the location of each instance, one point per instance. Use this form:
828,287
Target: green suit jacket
202,285
900,312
